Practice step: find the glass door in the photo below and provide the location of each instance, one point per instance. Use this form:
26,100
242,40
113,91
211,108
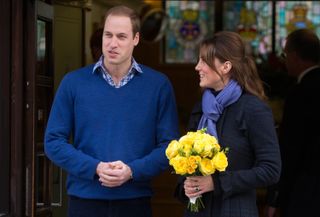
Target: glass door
44,89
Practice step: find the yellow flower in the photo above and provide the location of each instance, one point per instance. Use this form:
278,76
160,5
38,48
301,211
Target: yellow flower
180,164
206,167
186,149
186,142
211,142
198,148
206,145
216,147
188,139
172,149
220,161
196,153
193,162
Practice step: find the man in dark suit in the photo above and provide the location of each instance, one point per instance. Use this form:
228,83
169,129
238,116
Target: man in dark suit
298,192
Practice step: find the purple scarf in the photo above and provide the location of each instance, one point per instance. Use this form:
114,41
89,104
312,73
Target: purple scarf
213,106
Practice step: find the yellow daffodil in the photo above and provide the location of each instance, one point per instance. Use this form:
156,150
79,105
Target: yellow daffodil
193,162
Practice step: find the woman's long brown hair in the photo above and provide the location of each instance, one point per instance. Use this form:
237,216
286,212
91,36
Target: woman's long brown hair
228,46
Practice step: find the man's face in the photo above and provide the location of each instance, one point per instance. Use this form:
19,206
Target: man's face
118,41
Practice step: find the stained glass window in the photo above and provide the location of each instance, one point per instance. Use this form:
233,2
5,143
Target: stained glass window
253,21
189,23
291,15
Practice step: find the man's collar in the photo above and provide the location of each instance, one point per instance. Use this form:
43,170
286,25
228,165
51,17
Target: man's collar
100,64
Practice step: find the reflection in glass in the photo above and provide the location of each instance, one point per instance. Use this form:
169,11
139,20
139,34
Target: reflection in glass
40,179
41,40
44,48
57,186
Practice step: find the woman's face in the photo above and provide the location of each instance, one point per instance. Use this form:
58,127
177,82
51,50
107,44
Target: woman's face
210,78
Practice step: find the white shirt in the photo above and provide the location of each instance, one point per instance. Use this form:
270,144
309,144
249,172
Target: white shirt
306,71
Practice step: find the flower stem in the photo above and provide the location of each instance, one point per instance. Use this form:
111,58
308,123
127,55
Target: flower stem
197,206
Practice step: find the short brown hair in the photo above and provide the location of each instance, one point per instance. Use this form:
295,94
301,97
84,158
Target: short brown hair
127,12
305,43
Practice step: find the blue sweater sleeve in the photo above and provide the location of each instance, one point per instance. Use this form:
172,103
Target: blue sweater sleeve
167,129
59,128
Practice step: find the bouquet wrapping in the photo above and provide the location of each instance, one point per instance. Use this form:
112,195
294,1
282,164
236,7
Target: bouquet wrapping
196,154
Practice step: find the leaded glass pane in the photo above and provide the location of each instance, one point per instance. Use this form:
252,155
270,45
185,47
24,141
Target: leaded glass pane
189,23
253,21
291,15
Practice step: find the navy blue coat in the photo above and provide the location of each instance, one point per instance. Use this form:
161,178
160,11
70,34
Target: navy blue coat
247,128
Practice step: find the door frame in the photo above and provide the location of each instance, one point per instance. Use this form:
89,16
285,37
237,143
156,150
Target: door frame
17,104
22,65
29,104
5,53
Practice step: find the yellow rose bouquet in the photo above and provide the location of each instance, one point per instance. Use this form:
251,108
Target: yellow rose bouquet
196,154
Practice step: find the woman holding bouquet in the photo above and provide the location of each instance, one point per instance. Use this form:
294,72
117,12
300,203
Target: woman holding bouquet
233,109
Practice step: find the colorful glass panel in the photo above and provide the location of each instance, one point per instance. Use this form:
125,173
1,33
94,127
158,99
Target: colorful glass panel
253,21
189,23
291,15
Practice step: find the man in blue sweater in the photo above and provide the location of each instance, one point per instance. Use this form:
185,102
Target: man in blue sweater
121,116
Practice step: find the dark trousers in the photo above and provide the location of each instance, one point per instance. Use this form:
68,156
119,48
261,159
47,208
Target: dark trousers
138,207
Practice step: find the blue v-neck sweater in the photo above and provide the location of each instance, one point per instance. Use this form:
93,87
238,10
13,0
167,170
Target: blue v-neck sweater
133,124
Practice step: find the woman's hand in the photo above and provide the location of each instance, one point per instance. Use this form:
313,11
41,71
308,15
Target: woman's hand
196,185
271,212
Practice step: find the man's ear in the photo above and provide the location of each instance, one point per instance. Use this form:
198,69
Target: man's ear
136,38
